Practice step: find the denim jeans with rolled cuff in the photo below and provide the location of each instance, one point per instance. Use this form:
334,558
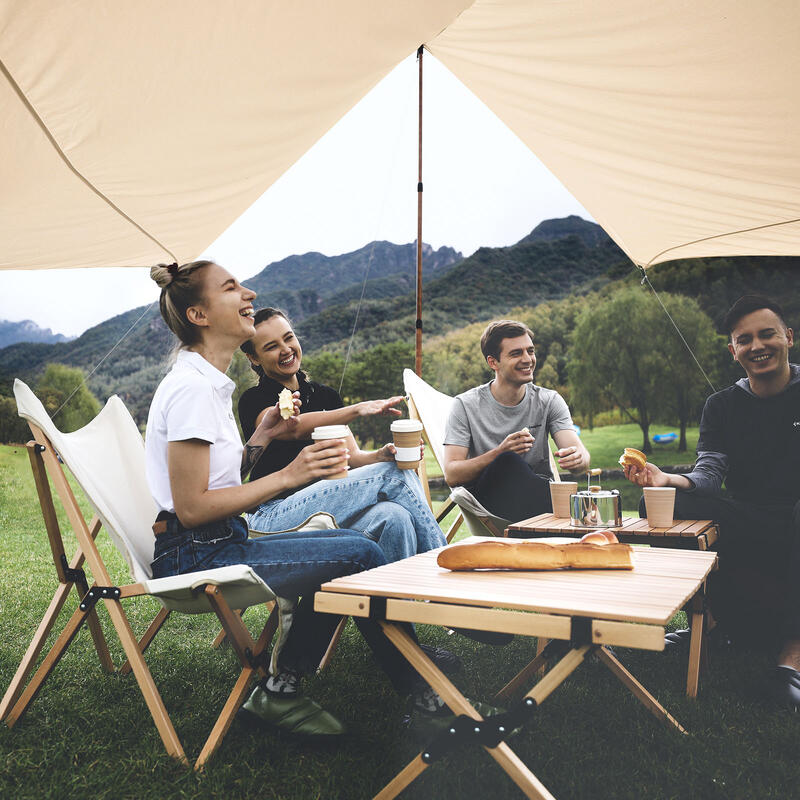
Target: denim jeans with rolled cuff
383,502
293,565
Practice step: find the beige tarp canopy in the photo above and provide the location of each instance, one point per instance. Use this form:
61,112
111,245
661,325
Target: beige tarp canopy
135,132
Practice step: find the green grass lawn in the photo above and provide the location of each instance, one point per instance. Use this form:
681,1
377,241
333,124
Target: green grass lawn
88,734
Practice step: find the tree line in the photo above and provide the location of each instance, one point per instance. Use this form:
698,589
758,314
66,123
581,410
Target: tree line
615,355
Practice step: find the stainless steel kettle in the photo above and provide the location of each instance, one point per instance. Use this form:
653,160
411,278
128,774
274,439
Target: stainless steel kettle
595,507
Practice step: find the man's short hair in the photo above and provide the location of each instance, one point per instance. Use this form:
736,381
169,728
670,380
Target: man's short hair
497,331
747,304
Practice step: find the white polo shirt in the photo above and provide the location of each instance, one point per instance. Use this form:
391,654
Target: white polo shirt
192,402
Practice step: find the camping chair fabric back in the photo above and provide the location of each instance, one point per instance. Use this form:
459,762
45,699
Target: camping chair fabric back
106,458
433,408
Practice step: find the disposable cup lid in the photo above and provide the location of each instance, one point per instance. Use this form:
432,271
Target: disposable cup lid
406,426
330,432
659,489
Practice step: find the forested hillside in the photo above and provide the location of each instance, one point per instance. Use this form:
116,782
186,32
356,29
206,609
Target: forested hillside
548,263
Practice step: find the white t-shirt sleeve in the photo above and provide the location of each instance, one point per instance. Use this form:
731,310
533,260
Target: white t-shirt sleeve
457,430
189,411
558,416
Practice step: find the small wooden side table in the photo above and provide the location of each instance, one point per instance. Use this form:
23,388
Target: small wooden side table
686,534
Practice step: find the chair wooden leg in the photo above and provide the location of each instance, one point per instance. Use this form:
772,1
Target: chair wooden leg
453,529
445,510
46,667
149,635
34,648
66,577
145,680
220,638
337,634
96,630
226,717
249,653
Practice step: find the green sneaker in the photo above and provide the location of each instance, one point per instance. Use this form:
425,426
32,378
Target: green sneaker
293,713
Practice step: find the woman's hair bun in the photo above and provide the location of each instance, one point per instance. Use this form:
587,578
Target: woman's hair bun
164,274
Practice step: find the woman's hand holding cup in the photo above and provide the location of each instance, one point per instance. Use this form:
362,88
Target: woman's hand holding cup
325,459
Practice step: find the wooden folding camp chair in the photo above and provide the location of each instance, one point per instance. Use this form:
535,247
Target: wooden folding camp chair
432,407
106,458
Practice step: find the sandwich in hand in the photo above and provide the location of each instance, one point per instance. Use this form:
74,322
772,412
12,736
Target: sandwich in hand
633,458
286,404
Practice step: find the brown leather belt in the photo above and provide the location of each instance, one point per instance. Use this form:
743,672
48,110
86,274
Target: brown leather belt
160,525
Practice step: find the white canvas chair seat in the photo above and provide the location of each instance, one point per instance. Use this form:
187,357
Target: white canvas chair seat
106,458
432,408
241,586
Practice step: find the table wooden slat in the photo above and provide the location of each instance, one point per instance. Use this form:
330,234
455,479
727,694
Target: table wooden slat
660,583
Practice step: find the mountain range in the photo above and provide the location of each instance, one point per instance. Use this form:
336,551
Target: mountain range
28,331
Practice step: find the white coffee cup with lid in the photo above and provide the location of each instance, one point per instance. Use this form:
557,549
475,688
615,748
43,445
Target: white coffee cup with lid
406,433
325,432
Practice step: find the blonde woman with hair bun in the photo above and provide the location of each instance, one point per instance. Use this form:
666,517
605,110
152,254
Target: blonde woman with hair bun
195,462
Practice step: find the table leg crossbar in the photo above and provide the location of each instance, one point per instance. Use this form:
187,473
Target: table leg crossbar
469,728
488,732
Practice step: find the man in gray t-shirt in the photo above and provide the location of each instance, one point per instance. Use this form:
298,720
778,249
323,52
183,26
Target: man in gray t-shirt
496,437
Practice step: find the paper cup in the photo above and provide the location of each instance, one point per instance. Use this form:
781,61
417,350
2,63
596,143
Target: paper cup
406,433
560,495
324,432
660,504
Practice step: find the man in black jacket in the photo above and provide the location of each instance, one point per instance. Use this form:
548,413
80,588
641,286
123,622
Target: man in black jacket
750,438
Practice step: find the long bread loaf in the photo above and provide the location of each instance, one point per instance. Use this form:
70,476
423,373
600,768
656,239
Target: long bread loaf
535,555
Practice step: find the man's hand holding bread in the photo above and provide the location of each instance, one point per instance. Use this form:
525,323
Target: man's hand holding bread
640,471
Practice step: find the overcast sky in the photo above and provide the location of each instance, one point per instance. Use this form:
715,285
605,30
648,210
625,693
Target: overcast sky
356,185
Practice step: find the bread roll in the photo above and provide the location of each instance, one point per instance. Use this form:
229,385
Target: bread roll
535,556
633,458
286,404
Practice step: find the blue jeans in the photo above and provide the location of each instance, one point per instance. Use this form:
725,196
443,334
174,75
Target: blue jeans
383,502
292,565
